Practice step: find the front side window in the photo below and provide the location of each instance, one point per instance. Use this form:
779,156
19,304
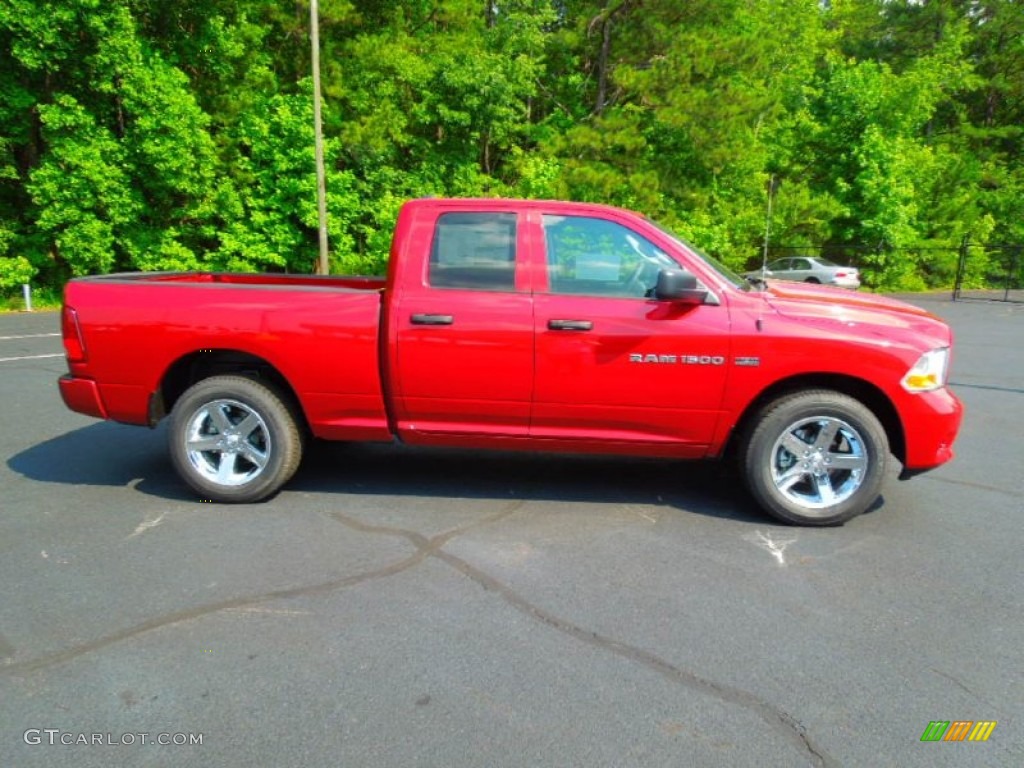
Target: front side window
596,257
476,251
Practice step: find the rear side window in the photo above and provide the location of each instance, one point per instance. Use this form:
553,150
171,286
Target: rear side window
476,251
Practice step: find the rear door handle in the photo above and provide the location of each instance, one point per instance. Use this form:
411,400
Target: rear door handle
570,325
432,319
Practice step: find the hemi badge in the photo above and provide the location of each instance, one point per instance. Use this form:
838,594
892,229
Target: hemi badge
752,362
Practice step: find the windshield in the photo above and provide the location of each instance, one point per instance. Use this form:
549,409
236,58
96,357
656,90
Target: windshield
711,261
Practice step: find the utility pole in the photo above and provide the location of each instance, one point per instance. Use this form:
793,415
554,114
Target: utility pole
323,266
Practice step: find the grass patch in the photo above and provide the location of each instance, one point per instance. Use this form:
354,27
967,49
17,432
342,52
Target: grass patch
42,299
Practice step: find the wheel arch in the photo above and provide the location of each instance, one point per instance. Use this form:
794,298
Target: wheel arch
196,366
863,391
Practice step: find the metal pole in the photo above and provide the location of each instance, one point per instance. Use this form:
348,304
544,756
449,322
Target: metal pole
771,187
323,266
26,291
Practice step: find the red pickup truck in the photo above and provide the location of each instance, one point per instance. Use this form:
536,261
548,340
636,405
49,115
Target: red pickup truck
545,326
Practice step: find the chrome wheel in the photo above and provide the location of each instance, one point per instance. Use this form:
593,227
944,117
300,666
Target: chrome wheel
817,463
227,442
814,457
235,440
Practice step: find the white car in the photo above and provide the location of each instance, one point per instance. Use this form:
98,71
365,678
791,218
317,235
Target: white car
808,269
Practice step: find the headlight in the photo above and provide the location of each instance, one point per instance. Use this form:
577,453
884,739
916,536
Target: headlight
929,372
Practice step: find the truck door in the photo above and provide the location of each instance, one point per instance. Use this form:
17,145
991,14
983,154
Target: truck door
464,333
615,366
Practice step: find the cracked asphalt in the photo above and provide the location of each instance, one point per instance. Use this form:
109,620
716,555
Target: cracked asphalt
401,607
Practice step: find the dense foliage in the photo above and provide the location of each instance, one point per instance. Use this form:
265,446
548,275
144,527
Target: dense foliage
146,134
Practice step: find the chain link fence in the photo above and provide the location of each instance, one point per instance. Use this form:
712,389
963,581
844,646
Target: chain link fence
990,273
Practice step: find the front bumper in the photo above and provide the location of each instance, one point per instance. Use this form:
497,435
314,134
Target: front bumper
931,421
82,396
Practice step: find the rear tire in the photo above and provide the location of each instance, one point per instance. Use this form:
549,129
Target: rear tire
234,440
815,458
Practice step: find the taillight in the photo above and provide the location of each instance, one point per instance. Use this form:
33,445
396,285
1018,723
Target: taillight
841,274
74,347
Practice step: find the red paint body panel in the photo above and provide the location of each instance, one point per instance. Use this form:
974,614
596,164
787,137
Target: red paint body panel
646,377
587,388
476,375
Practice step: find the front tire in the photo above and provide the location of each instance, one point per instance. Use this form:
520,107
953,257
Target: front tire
234,440
815,458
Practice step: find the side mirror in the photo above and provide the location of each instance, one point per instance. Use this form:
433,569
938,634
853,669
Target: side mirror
679,286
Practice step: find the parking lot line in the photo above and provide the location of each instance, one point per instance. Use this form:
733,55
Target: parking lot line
29,336
29,357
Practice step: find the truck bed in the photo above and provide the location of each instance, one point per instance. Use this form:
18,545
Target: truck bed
322,334
252,280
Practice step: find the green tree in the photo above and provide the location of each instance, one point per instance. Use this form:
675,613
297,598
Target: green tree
154,135
116,164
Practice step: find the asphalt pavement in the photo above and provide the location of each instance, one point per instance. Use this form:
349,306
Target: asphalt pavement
401,607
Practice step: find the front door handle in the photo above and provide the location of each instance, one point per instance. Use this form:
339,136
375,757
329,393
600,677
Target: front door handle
570,325
432,319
